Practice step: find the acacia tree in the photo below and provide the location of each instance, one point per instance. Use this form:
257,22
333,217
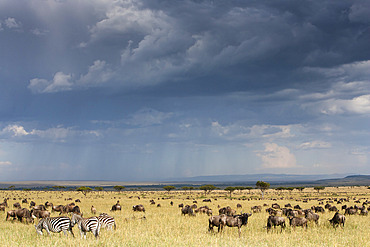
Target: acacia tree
84,190
169,188
207,188
119,187
301,188
262,186
230,189
318,188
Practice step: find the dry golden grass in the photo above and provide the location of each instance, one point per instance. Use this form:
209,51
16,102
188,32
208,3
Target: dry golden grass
164,226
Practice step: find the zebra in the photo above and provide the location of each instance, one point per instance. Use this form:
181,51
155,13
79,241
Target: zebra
107,221
91,224
55,224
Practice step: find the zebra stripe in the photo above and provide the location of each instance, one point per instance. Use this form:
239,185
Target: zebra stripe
107,221
91,224
55,224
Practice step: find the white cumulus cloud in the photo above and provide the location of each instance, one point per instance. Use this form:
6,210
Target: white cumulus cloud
275,156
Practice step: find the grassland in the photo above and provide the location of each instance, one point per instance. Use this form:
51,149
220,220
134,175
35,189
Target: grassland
164,225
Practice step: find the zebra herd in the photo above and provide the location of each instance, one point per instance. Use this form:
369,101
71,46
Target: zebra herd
65,224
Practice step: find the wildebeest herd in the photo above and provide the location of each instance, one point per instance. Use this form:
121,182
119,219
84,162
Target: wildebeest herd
71,214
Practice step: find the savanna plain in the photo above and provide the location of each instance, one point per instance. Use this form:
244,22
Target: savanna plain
164,225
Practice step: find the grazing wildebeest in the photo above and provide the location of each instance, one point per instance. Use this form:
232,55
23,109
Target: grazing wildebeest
5,203
17,205
39,207
60,208
24,200
310,216
187,210
297,221
35,213
237,221
10,213
227,210
32,204
48,204
333,209
275,206
77,200
138,208
288,205
116,207
350,211
23,213
319,209
93,210
207,200
297,207
217,220
337,219
256,209
364,212
275,221
238,205
76,210
181,205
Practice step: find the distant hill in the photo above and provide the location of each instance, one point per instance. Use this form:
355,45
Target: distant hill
275,180
253,178
353,180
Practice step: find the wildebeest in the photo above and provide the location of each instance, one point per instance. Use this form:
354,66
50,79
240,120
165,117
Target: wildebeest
116,207
227,210
310,216
17,205
39,207
364,212
24,200
238,205
23,213
318,209
187,210
217,220
350,211
39,213
297,207
5,203
2,208
256,209
275,221
138,208
32,204
10,213
181,205
297,221
236,221
337,219
60,208
48,204
207,200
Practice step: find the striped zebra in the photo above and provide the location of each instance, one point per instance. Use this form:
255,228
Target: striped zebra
55,224
91,224
107,221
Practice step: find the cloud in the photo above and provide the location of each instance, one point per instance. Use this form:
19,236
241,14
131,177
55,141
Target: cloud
357,105
275,156
60,82
147,117
16,130
315,145
12,23
5,163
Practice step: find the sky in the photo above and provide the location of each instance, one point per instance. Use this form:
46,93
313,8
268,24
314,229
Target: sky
142,90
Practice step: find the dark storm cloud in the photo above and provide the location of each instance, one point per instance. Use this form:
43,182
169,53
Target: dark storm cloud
226,46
